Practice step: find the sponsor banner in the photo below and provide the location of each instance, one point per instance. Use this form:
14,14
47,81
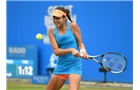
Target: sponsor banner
22,52
40,79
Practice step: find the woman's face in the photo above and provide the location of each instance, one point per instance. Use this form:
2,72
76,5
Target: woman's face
58,21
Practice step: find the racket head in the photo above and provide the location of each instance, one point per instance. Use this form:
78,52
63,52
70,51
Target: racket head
114,62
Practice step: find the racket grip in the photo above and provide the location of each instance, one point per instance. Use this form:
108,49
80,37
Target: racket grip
90,57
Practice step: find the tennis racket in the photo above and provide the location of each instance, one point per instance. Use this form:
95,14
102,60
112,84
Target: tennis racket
111,61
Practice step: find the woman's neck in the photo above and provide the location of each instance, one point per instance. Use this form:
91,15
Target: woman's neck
62,28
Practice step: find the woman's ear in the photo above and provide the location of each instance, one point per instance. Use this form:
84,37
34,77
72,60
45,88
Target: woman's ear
64,17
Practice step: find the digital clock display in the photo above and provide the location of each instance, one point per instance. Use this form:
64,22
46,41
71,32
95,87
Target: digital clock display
20,68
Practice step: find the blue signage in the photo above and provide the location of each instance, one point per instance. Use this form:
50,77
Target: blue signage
22,61
40,79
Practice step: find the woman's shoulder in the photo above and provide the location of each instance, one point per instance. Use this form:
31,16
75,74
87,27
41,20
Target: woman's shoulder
74,27
51,30
73,24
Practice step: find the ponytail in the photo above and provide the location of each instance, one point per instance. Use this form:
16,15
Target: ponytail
68,14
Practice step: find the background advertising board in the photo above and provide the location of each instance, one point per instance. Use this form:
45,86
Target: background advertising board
106,26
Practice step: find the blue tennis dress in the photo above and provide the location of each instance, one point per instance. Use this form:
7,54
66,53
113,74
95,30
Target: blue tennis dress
67,64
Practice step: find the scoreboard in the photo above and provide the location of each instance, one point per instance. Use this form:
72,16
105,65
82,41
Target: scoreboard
20,68
21,61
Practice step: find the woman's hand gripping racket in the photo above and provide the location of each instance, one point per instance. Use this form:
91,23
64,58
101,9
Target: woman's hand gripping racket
111,61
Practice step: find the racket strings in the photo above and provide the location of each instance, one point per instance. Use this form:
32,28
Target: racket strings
114,63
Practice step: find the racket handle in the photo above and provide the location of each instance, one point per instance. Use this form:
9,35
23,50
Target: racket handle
92,57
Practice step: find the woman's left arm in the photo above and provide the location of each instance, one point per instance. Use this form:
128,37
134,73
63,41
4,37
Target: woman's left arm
76,30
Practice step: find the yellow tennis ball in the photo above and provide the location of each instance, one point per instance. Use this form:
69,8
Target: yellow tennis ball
39,36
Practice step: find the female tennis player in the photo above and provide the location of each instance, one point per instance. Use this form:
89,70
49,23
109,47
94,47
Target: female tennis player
66,42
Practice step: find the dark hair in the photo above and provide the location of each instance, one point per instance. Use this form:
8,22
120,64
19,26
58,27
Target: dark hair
66,11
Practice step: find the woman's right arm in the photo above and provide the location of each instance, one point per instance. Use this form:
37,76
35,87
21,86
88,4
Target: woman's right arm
59,51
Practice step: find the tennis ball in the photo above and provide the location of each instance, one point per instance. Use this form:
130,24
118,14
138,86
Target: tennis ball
39,36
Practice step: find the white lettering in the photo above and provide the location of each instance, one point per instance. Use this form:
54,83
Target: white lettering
9,74
17,50
25,61
46,39
40,78
53,60
9,61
